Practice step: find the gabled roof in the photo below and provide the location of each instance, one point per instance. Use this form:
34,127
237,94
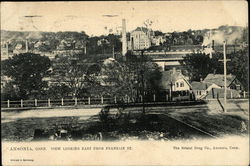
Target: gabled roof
170,76
143,29
218,79
200,85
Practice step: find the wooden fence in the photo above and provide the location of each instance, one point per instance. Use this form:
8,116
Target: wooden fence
95,101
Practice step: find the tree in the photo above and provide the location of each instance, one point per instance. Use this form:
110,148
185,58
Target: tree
199,65
239,66
58,91
75,71
27,72
158,33
127,76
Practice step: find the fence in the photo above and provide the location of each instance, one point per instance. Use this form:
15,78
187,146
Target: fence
100,100
81,101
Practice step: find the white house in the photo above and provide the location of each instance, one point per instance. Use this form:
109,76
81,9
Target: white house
174,80
201,88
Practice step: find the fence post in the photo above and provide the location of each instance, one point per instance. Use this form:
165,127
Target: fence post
244,94
8,103
89,100
154,97
141,97
166,97
115,99
75,101
35,102
49,103
62,101
21,102
101,99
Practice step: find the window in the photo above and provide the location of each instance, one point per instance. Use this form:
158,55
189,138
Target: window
177,84
182,84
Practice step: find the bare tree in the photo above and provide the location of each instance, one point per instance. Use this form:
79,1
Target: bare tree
75,71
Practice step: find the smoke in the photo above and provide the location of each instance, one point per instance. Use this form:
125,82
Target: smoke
224,33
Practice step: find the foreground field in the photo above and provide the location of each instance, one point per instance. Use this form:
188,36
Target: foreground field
158,123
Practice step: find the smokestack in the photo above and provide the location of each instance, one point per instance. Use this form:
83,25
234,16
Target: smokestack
124,37
211,49
26,46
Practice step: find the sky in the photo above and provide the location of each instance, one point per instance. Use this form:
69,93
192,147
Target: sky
98,17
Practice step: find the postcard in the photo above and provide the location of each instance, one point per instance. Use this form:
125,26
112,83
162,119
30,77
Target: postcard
125,83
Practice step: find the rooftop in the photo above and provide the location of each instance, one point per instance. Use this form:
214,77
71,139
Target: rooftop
218,79
170,76
200,85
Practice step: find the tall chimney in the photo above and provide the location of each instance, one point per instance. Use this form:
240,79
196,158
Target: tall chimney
124,37
26,46
212,44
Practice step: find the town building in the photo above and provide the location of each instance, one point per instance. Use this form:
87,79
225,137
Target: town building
176,85
158,40
140,38
218,79
213,86
175,80
201,89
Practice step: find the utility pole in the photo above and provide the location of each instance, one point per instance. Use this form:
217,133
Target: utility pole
26,46
142,77
225,75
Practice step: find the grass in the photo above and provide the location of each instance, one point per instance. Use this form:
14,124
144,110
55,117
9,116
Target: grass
131,124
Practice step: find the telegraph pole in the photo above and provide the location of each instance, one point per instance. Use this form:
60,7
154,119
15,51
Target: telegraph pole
225,75
142,77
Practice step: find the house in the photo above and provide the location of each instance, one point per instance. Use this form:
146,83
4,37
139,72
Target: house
201,89
213,87
158,40
65,44
218,79
175,78
176,85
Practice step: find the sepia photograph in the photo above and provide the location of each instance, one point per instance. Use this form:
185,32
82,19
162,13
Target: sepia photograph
125,80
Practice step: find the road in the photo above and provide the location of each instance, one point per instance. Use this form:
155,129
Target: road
83,113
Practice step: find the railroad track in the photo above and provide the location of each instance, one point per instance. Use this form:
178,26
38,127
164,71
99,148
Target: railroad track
192,127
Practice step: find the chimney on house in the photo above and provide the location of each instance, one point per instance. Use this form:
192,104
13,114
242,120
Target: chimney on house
124,37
